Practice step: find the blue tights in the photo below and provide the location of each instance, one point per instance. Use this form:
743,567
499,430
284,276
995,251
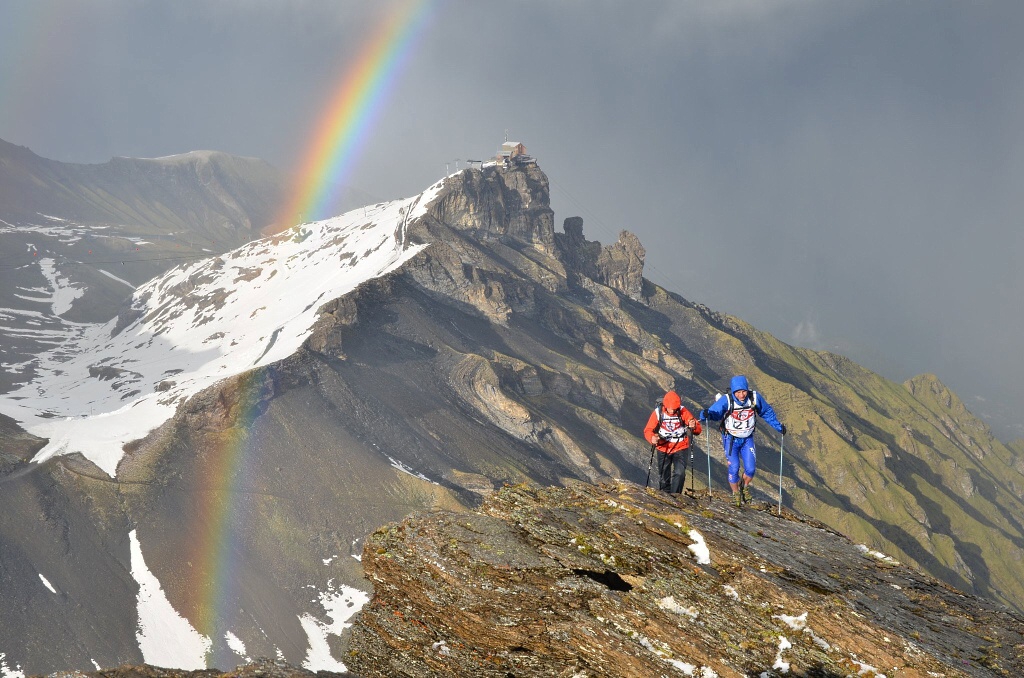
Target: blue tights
735,449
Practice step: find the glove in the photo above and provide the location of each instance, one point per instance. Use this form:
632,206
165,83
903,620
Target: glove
702,415
783,429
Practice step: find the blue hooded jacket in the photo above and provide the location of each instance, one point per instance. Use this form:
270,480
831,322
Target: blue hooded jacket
721,406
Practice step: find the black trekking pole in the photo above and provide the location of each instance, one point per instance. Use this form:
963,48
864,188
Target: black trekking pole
690,445
691,471
650,465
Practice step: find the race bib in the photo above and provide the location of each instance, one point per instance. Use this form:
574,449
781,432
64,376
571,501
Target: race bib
672,429
740,423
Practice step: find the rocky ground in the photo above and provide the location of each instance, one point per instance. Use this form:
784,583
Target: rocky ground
614,580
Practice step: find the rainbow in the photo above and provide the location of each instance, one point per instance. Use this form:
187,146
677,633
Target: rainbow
223,501
345,126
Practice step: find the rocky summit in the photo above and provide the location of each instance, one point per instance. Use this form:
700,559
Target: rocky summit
616,580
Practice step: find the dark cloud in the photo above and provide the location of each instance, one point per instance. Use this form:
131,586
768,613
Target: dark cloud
840,174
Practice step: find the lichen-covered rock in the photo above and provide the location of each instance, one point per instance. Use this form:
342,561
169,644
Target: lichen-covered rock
616,580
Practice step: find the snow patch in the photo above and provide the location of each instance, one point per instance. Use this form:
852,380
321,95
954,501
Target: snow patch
820,642
236,645
165,637
120,280
408,470
867,669
340,606
64,293
6,671
47,584
731,592
795,623
669,603
663,655
876,554
782,666
699,548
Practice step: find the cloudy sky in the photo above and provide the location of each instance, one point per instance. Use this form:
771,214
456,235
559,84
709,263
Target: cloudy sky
838,173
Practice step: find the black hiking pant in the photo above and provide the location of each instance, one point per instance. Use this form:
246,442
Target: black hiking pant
672,471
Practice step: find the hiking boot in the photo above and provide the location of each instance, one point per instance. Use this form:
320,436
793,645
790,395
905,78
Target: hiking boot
737,499
745,494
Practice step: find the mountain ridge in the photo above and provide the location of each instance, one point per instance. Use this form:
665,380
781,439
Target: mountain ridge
31,185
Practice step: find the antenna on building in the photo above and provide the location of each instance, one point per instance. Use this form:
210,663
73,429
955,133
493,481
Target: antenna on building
506,135
447,165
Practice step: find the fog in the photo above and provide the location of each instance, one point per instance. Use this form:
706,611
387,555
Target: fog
839,174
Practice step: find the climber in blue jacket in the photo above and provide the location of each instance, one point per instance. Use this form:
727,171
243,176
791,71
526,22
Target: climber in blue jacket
737,410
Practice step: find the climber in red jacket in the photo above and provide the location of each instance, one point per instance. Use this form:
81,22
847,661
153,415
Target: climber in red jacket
668,430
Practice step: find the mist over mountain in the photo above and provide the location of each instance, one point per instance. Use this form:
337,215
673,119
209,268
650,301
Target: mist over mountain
196,473
206,197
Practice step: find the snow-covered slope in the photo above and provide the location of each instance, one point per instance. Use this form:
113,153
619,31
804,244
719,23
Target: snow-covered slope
200,323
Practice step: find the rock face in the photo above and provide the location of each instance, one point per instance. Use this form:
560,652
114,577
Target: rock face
618,581
619,266
497,204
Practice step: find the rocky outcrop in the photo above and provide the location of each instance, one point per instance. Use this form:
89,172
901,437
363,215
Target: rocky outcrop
619,266
508,212
618,581
495,203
